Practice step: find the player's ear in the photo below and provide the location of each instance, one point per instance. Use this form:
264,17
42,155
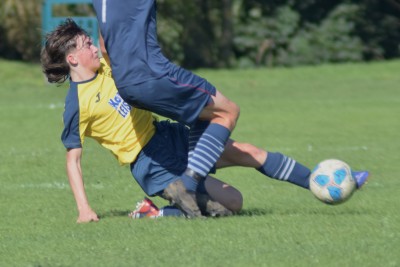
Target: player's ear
71,59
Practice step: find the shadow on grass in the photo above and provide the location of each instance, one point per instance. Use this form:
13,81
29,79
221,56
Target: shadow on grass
334,211
243,213
326,211
254,212
114,213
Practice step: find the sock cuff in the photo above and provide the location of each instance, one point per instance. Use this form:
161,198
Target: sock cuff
219,131
280,167
189,182
273,159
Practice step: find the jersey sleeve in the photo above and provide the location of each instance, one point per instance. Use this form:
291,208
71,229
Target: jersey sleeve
71,134
105,69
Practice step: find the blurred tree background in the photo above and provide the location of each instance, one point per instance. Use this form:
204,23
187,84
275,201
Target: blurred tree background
239,33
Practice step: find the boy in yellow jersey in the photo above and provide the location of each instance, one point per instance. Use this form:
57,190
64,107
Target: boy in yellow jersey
93,108
156,151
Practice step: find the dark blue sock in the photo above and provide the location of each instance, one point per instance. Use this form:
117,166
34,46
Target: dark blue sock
189,182
281,167
195,133
208,149
193,184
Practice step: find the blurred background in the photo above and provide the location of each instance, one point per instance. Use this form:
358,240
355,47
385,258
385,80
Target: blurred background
237,33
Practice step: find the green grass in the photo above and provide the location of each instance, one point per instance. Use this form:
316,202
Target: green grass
347,111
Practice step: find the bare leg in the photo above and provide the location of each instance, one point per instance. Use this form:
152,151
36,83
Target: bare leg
225,194
242,154
272,164
221,111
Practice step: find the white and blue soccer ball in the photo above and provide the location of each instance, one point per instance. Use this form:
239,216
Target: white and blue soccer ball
332,182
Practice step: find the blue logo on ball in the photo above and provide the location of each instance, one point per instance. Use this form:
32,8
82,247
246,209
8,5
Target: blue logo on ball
335,193
322,180
339,176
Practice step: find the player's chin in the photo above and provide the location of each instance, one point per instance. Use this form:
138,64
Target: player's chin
97,63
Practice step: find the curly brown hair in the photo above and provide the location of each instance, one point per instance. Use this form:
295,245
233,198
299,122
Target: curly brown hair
58,44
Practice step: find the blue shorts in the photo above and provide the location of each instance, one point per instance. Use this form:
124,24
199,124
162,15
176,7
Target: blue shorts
180,95
163,159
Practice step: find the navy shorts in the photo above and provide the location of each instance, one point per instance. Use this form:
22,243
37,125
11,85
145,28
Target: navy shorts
163,159
180,95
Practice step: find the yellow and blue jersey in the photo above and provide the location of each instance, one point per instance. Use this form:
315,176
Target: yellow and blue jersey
95,109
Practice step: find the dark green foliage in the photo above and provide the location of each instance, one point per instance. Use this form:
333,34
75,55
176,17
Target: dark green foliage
239,33
324,31
20,29
261,40
379,28
331,41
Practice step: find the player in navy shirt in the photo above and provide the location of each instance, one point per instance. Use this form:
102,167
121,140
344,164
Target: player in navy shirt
146,79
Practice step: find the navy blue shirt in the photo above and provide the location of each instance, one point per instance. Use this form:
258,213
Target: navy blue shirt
129,29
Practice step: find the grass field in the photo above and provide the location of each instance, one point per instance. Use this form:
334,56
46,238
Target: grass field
347,111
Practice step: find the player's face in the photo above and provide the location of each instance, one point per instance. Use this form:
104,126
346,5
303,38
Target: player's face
87,53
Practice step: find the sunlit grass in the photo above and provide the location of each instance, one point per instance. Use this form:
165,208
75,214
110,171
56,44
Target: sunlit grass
349,112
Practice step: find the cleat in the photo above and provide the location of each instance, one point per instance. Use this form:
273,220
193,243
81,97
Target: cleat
361,177
184,200
210,207
145,208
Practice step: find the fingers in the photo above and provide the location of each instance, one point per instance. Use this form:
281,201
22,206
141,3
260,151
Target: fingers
87,220
90,217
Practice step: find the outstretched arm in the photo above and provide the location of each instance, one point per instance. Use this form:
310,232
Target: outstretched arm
74,172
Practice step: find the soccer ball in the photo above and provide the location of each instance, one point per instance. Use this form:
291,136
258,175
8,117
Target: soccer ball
332,182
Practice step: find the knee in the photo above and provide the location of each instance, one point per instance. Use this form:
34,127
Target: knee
235,111
232,114
235,204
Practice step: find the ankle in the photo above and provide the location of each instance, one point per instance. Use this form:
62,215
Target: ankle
191,173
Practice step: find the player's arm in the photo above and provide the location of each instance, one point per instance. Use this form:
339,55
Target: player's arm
74,172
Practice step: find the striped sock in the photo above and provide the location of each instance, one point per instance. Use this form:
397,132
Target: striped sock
195,133
208,149
281,167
